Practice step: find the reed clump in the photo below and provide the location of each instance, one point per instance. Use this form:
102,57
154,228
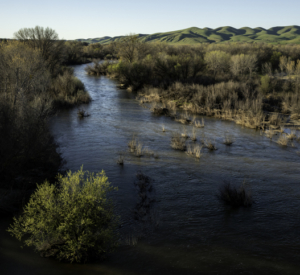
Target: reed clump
228,140
184,133
210,145
292,135
194,150
194,135
199,124
283,140
270,133
120,160
178,142
82,113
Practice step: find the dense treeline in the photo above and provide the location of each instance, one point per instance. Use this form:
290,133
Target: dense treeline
234,81
33,83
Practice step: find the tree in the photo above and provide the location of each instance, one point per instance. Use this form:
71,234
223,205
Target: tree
72,220
243,63
217,61
47,42
130,48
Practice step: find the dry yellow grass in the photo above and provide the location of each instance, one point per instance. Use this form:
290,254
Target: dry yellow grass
178,142
194,137
228,140
283,140
210,145
198,123
292,135
270,133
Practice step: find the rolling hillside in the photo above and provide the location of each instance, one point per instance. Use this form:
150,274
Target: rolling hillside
194,35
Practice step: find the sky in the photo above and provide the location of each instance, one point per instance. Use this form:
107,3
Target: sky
73,19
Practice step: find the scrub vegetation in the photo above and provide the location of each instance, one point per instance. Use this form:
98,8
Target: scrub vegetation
34,84
255,85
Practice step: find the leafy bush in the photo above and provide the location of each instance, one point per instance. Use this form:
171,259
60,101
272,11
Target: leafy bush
69,90
72,220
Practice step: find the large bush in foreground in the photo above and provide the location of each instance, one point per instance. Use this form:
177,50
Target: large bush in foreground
72,221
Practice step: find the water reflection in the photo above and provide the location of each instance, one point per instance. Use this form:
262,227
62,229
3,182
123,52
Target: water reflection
196,233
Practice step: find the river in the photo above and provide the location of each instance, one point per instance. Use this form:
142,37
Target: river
192,231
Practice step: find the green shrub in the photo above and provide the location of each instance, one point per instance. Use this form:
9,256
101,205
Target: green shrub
72,220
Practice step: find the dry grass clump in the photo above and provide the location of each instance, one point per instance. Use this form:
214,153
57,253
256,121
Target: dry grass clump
194,137
189,150
159,110
149,153
197,151
120,160
199,124
82,113
163,128
228,140
184,133
292,135
178,142
235,196
275,119
194,150
210,145
183,118
283,140
135,147
139,149
270,133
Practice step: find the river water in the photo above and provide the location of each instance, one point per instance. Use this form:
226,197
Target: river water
192,231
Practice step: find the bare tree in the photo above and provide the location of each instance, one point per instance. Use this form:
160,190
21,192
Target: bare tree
47,42
217,61
130,48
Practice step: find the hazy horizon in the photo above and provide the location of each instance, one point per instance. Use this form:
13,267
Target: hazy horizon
77,19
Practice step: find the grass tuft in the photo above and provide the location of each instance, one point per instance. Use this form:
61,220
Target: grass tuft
178,142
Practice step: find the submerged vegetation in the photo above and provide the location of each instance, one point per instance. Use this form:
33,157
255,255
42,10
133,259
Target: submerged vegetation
235,196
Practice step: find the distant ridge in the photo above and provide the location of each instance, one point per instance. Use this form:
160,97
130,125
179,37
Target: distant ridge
194,35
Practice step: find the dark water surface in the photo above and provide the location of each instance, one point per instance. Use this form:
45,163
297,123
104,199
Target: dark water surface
194,232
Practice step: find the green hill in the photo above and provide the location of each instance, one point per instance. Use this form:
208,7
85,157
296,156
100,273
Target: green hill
194,35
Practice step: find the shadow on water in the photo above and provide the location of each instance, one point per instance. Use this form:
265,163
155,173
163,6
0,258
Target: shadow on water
196,234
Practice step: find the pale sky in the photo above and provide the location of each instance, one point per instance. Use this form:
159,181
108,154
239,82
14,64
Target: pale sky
96,18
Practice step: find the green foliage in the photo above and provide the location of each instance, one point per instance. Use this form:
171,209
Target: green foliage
69,90
277,35
265,84
275,59
72,221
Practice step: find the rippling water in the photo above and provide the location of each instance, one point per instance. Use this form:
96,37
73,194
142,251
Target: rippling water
196,234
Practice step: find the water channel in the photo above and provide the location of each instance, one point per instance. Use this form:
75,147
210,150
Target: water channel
192,232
